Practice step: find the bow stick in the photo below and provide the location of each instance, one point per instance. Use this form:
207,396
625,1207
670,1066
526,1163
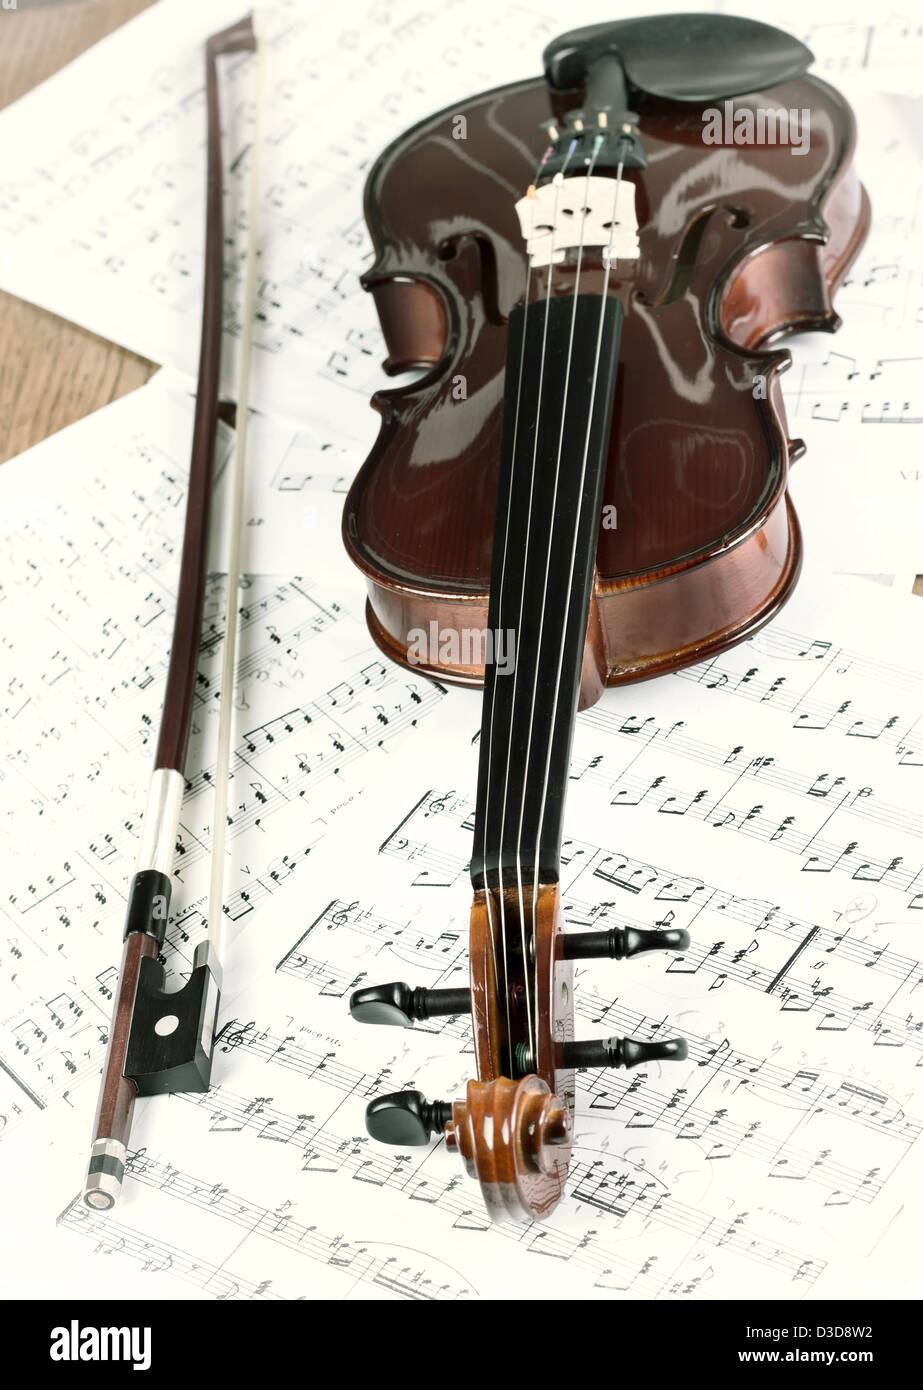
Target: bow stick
163,1042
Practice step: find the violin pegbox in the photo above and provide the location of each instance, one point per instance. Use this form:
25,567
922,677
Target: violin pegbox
514,1128
513,1131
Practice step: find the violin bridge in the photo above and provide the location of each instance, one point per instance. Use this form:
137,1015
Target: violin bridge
567,213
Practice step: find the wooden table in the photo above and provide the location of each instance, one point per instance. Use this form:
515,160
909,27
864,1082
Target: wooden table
51,371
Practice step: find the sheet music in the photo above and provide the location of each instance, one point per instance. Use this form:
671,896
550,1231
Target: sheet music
129,267
126,260
92,521
886,42
868,372
768,801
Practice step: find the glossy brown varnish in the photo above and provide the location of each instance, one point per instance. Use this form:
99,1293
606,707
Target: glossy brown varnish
515,1136
738,247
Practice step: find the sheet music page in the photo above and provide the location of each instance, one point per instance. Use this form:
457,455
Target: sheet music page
858,488
92,521
128,264
340,85
769,802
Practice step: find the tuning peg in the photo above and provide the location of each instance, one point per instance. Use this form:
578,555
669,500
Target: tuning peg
623,1052
406,1117
402,1006
621,942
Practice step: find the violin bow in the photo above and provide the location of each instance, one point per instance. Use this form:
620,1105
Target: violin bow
164,1042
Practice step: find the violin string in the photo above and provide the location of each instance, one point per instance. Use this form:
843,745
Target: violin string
610,257
493,697
557,182
590,166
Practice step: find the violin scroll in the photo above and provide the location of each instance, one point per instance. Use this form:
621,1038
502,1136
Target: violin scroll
513,1131
515,1138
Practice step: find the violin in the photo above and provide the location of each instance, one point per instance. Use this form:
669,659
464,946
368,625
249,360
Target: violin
588,269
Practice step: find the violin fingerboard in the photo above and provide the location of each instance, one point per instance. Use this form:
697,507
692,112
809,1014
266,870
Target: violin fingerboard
562,361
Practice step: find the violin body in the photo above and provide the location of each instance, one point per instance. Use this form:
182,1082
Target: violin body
699,544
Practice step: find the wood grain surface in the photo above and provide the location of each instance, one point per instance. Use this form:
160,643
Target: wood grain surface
51,371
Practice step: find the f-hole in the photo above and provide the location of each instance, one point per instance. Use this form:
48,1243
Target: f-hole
490,281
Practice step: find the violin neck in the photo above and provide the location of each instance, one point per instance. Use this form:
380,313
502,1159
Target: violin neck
562,358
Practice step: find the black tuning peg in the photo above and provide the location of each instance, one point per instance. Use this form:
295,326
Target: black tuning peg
621,942
406,1117
623,1052
402,1006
